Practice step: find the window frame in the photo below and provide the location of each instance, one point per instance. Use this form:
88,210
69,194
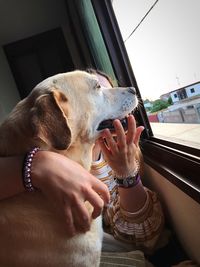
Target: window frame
178,163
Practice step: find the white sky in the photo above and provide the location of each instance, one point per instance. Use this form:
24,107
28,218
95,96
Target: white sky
165,50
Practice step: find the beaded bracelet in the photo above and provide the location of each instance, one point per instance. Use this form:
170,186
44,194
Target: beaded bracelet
132,174
26,171
129,180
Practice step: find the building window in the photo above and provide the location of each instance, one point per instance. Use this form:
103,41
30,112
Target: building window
192,90
175,96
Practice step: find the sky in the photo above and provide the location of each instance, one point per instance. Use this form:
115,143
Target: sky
164,51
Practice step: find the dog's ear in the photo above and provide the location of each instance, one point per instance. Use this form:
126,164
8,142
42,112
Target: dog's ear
49,120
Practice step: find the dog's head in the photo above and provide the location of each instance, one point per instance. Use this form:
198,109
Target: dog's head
65,110
73,105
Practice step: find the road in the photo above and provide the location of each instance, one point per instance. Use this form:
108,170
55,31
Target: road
184,133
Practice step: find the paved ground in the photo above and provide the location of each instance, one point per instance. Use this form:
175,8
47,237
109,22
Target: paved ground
183,133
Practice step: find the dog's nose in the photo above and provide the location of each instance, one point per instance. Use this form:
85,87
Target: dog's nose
132,90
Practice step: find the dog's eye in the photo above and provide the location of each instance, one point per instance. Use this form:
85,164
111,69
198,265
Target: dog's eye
98,86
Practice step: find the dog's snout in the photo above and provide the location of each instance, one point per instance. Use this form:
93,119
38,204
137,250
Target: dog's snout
132,90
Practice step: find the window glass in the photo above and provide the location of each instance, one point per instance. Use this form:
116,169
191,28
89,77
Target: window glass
162,39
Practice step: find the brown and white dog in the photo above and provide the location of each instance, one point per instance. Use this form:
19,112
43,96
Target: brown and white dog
64,113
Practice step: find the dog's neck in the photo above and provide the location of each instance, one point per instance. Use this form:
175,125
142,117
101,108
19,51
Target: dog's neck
81,153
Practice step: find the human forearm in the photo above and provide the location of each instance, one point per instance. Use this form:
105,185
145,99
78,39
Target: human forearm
132,199
142,228
11,176
65,183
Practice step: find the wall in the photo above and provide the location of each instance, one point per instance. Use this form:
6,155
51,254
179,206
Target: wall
182,211
172,116
153,118
9,95
174,99
196,88
180,115
22,19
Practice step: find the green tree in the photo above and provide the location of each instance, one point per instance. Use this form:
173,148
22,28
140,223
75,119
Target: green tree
159,105
169,101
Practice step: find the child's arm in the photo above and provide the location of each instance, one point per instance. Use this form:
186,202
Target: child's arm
121,154
135,214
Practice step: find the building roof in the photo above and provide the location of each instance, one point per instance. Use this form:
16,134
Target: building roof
180,88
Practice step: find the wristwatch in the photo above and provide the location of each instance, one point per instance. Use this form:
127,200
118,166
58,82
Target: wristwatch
131,180
127,182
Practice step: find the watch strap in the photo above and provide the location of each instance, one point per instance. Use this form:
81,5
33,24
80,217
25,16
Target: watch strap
128,182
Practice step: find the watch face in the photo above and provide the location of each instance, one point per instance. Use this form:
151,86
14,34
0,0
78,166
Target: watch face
130,181
126,182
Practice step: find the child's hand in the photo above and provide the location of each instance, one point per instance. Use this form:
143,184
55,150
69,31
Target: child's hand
120,152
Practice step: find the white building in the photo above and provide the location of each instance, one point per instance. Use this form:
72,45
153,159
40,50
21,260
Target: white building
185,92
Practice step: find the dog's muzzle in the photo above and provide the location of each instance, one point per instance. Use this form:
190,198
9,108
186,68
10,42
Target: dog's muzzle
132,90
126,106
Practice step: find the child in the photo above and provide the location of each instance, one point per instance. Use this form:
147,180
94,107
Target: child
134,214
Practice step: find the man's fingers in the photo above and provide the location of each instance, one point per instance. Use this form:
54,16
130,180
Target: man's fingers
97,201
97,209
81,217
71,231
102,190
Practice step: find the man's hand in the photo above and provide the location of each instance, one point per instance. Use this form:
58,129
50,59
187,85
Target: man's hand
68,185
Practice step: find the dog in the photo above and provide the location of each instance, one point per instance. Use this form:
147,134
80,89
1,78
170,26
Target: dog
64,113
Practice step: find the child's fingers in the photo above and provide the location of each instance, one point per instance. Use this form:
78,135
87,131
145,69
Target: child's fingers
111,144
106,152
131,129
121,136
137,135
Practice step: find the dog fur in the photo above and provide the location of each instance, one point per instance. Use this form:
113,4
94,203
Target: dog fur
61,114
